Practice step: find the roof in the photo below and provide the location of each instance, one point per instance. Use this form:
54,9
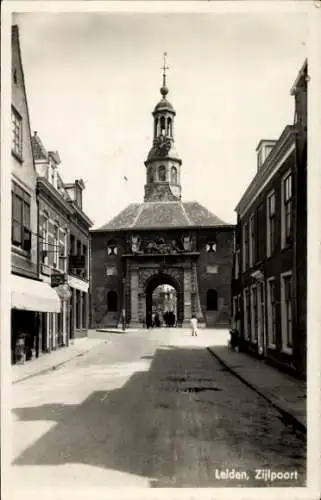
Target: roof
166,214
39,151
301,77
172,154
164,104
281,150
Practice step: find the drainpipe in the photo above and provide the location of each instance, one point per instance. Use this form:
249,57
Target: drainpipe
38,228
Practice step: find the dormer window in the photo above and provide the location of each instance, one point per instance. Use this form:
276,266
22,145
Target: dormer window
263,150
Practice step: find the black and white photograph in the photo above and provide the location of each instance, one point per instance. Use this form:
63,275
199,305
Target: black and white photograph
158,323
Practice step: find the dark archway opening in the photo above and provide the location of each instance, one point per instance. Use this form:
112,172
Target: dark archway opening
163,295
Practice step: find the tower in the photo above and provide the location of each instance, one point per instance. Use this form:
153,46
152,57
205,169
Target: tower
163,165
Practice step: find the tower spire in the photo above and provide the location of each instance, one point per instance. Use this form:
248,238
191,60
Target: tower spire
164,89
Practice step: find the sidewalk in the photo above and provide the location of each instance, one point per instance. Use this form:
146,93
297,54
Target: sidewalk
287,394
51,361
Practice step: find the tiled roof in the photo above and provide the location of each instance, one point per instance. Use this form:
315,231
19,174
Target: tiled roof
163,215
39,151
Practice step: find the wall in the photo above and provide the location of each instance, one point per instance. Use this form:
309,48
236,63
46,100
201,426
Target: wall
23,170
101,283
221,281
281,261
100,260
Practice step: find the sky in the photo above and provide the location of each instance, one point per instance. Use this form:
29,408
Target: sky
93,80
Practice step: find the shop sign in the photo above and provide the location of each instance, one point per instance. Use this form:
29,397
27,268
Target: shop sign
77,261
58,279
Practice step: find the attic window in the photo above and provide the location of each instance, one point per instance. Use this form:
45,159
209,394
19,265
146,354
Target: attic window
15,77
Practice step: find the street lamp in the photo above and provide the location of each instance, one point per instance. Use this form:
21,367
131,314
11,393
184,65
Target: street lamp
123,315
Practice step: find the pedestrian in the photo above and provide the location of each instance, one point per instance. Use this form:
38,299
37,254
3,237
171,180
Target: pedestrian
194,326
157,320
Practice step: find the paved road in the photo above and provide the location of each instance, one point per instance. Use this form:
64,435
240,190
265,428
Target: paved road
148,409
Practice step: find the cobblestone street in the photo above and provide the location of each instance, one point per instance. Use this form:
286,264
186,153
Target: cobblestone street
149,409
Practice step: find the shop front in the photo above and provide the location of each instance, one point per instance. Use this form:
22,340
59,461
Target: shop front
30,301
79,306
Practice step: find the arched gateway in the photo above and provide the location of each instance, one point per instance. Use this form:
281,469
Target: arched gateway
164,279
163,240
150,271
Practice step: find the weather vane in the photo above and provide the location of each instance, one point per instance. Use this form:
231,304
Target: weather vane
164,68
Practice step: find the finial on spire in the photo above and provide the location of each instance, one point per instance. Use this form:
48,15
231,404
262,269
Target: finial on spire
164,89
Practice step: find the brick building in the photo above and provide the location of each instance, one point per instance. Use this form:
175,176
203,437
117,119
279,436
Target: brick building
30,297
270,257
162,241
78,261
63,248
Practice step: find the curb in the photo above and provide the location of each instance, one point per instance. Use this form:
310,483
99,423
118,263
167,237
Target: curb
287,417
54,367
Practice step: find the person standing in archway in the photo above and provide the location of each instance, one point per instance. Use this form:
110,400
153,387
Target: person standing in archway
194,326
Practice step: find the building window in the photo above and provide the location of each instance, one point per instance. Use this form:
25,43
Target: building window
55,248
245,245
84,311
21,233
62,250
163,126
237,264
252,240
211,300
174,175
84,252
286,209
211,246
72,245
162,173
112,247
78,269
271,224
271,303
45,239
213,269
236,312
16,132
52,176
261,312
286,312
111,271
254,315
77,309
112,301
234,307
260,233
247,314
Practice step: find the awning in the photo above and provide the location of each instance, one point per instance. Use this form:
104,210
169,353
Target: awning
31,295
